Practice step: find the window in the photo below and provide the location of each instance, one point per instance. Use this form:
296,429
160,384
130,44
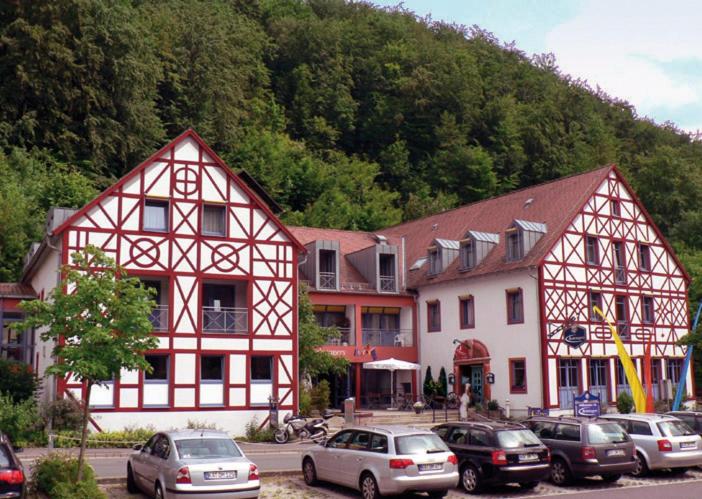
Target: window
673,368
467,255
155,215
619,263
434,261
379,443
212,368
544,429
386,264
598,378
466,307
640,428
261,369
214,221
159,366
327,269
341,440
592,250
647,309
162,448
360,441
515,307
595,301
615,208
517,376
568,432
433,316
514,245
479,437
644,257
621,313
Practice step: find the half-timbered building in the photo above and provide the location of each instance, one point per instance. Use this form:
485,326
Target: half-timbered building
225,274
506,287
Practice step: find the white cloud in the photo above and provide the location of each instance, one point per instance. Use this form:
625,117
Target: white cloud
625,48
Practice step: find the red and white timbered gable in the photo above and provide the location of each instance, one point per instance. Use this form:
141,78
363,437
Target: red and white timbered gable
611,255
226,272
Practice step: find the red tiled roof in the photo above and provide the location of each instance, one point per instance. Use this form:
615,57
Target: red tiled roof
349,242
16,290
553,203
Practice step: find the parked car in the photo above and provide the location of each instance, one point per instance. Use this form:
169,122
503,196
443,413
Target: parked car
662,442
691,418
582,447
192,464
13,483
383,460
496,453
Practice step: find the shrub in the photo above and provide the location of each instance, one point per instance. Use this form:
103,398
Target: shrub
305,401
55,473
254,434
64,414
122,439
20,421
442,383
194,424
429,385
625,403
320,395
17,380
493,405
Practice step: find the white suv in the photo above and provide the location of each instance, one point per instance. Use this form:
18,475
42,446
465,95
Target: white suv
383,460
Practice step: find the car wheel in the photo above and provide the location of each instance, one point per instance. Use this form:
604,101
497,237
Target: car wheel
528,485
560,474
470,479
309,472
369,487
438,493
282,436
159,491
611,478
131,484
641,467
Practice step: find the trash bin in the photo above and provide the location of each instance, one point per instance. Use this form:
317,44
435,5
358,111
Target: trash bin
349,408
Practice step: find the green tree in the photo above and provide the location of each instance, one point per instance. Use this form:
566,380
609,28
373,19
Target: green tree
443,382
98,321
314,361
429,384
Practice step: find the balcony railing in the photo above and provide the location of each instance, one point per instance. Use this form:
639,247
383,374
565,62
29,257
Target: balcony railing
159,318
225,320
388,337
327,280
345,337
620,275
387,283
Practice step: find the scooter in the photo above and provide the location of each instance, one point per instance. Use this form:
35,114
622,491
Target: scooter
297,425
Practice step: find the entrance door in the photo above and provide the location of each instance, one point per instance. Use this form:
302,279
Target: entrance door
476,383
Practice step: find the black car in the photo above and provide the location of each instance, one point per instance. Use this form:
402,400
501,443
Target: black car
12,480
582,447
496,453
692,418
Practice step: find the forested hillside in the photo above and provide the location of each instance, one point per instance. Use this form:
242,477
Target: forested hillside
350,116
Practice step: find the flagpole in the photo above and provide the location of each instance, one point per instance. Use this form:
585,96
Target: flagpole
686,364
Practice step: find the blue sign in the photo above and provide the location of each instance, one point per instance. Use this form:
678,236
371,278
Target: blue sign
537,411
587,404
575,336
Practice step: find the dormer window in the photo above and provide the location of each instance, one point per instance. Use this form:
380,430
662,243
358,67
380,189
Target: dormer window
434,261
514,245
327,269
467,255
386,268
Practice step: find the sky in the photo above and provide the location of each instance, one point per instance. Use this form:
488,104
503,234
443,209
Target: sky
647,52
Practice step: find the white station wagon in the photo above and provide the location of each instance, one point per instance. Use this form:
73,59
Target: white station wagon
383,460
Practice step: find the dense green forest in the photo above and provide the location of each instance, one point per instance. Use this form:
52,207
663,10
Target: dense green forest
350,115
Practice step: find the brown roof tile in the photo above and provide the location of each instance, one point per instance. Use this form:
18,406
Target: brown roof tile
16,290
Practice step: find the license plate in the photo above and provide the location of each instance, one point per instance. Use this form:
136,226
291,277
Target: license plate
688,445
615,452
220,475
431,467
528,457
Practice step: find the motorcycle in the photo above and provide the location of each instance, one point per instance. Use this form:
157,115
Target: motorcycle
297,425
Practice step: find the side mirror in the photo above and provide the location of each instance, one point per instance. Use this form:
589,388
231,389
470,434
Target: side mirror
138,447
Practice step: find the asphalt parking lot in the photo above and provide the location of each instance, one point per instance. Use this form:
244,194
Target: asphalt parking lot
660,484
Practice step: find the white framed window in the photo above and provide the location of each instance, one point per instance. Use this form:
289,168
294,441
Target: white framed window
155,215
214,222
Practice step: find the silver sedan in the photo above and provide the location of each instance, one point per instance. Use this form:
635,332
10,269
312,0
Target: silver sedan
193,464
383,460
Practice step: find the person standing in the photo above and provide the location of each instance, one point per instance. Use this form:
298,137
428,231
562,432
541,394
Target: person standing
465,402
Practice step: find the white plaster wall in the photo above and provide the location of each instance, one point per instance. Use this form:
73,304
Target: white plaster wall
502,340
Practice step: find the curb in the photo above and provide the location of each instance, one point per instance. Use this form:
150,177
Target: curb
118,480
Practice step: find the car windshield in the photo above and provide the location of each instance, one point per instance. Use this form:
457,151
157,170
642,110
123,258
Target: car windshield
606,433
674,429
512,439
206,448
420,444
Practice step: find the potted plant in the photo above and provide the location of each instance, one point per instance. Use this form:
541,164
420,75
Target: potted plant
418,406
493,408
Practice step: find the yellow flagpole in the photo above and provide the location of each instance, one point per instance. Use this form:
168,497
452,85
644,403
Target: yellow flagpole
637,391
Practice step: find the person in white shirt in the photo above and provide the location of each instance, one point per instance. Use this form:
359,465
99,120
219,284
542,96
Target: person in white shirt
465,402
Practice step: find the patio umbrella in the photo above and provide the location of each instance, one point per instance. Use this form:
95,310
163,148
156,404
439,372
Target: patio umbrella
392,365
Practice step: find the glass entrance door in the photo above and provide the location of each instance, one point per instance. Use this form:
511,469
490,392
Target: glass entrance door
476,382
569,373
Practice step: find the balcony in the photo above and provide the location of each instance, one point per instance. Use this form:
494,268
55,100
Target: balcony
387,283
327,280
159,318
225,320
620,275
388,337
345,337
